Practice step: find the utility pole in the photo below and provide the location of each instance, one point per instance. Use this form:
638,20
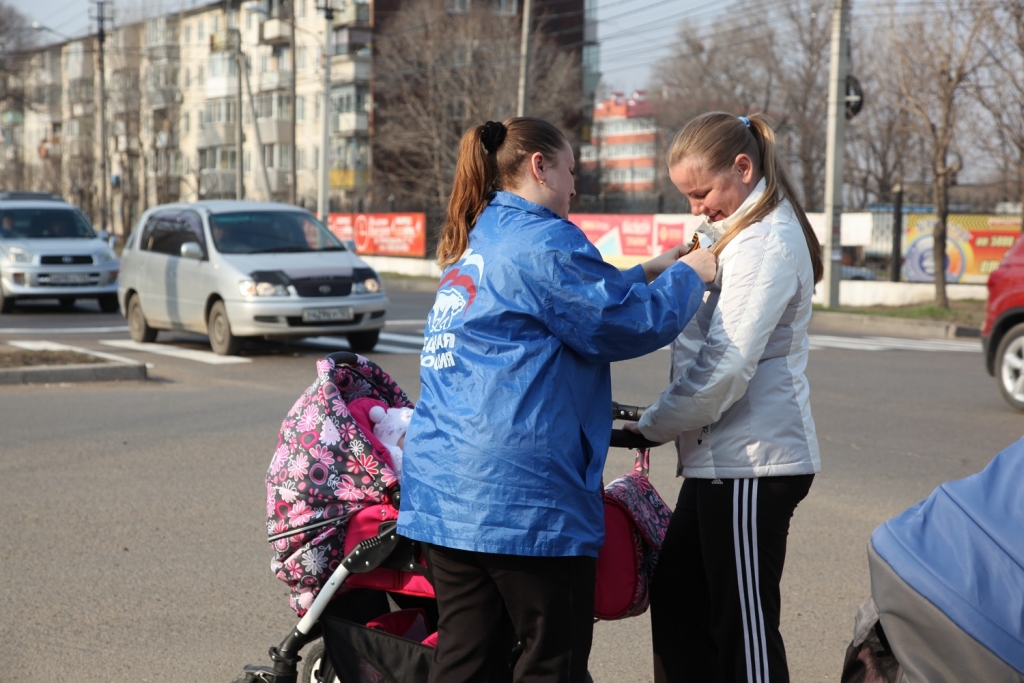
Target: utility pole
293,190
101,37
835,154
325,108
236,39
897,232
524,58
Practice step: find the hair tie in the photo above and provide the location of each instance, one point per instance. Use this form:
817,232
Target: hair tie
492,135
745,121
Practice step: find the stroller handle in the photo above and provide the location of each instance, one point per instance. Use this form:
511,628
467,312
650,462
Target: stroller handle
623,439
621,411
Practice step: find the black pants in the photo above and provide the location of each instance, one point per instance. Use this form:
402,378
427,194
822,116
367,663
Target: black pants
486,601
715,599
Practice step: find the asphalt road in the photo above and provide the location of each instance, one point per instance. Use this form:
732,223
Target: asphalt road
134,546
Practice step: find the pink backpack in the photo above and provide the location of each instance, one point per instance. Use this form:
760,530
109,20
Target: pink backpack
635,519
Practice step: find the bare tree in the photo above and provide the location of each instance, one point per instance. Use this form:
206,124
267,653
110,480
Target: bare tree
1001,90
801,61
938,53
439,72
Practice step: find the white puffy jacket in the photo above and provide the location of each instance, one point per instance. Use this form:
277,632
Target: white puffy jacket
738,400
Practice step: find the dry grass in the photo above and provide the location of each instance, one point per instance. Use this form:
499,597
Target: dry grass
968,313
19,358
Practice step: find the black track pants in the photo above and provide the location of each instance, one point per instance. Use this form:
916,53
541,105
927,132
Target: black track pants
715,600
548,601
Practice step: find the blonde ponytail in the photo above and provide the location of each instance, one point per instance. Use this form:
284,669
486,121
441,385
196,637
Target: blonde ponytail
717,139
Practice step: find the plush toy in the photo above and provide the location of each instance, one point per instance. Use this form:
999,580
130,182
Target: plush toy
389,426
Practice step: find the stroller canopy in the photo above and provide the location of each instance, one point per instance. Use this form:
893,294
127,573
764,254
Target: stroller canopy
962,549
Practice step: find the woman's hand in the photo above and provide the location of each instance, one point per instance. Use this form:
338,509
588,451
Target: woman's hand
704,261
632,427
657,265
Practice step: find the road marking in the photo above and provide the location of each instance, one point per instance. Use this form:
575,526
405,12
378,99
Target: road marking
207,357
403,338
54,346
62,330
341,344
824,341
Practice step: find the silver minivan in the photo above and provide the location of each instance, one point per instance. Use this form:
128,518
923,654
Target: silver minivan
234,269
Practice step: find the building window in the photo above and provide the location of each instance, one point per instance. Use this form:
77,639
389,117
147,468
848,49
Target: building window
507,7
248,162
300,62
184,123
316,157
201,31
316,110
233,19
188,78
300,108
301,8
216,24
199,75
188,33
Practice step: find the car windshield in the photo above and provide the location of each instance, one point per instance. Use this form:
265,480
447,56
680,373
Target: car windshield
265,232
44,223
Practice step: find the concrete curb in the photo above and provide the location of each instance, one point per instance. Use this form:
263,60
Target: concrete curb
409,284
91,372
889,326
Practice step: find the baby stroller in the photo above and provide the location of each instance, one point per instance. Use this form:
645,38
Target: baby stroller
332,515
947,586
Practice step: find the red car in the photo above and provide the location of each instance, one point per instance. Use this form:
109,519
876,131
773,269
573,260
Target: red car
1002,335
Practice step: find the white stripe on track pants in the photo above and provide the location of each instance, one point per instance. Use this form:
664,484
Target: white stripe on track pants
715,600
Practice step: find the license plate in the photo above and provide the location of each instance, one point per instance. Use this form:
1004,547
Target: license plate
70,279
323,315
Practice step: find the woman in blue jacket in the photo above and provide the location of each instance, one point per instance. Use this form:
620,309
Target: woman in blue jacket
505,452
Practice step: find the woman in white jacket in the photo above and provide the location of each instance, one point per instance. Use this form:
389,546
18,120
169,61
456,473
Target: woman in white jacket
737,408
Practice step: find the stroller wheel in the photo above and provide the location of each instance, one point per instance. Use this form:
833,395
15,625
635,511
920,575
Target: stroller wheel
316,668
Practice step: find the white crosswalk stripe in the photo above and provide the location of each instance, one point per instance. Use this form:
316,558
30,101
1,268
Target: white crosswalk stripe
207,357
824,341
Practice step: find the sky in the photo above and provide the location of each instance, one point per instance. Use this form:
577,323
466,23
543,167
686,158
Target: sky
633,34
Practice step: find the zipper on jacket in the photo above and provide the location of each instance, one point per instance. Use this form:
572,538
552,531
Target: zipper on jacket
704,430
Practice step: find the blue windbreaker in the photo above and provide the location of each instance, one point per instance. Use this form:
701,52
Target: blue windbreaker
508,442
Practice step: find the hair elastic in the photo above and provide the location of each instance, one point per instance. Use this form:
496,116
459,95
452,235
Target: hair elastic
745,121
492,135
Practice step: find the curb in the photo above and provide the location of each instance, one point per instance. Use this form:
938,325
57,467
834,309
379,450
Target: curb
54,374
409,284
890,326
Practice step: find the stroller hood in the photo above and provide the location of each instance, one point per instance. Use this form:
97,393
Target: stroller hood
962,549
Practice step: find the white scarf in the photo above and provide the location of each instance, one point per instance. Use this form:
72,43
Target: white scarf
717,229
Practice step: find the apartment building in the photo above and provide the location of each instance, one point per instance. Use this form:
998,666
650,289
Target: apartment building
175,100
622,156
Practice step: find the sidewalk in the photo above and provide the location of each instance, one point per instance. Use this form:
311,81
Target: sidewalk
913,328
821,321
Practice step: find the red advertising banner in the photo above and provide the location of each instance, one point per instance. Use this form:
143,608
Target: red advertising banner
673,229
382,234
617,236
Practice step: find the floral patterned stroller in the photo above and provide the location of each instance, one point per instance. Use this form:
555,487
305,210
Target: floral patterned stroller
332,502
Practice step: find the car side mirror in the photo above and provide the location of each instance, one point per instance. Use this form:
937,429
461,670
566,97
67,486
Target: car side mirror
192,250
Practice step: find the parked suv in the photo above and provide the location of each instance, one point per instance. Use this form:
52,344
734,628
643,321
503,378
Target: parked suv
1002,335
235,269
49,250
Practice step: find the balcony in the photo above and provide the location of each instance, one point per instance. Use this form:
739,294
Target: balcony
353,14
275,80
216,134
77,148
163,53
221,86
49,150
162,98
130,143
280,180
275,32
81,109
217,182
273,131
350,69
350,123
12,119
348,178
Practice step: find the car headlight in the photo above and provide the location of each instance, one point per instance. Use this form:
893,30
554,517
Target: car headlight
19,255
258,288
370,285
106,255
